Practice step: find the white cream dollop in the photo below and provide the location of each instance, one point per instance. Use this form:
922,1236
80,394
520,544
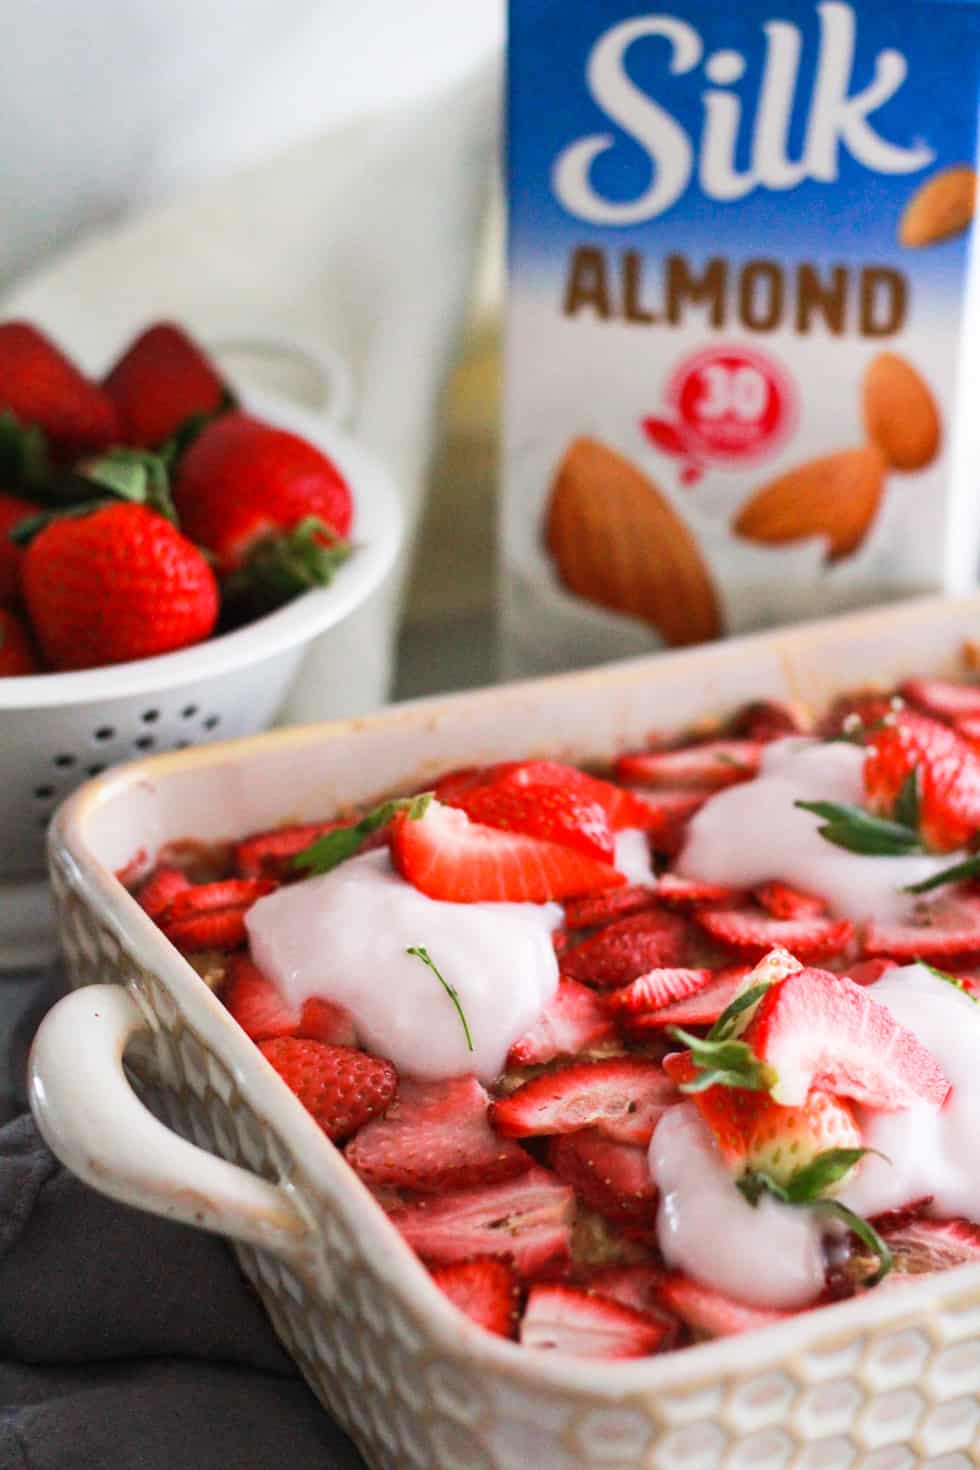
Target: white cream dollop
766,1255
633,856
753,832
344,936
931,1151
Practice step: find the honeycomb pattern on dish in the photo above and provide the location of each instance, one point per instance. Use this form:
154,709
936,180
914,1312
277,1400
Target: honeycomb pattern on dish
900,1395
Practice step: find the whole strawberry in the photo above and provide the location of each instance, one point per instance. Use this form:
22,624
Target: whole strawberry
117,584
13,510
40,387
17,654
263,500
162,380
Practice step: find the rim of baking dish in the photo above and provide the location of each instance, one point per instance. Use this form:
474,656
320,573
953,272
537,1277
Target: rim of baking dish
820,1330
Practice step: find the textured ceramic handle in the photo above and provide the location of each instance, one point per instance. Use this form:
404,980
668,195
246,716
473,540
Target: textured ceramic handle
92,1119
333,375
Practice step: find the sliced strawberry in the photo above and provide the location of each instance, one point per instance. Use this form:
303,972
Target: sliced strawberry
711,1313
572,1022
527,1219
212,915
714,764
634,1286
257,1004
611,1178
670,812
686,892
622,1097
541,799
754,1133
260,1009
222,929
784,902
486,1290
270,854
701,1009
655,989
754,934
866,972
950,930
447,856
766,719
622,808
861,711
435,1138
603,908
567,1319
628,948
160,889
947,772
340,1087
942,699
968,728
204,898
924,1245
821,1030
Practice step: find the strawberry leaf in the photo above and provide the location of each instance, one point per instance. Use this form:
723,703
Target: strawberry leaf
724,1025
857,830
336,847
420,952
282,565
807,1189
724,1064
906,811
132,474
866,1234
949,979
24,458
968,868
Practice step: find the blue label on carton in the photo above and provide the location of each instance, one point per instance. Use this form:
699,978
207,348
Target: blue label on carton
741,255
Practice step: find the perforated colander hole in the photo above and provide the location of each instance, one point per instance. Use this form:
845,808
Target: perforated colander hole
212,722
145,742
43,793
150,716
188,712
95,770
103,733
64,762
182,745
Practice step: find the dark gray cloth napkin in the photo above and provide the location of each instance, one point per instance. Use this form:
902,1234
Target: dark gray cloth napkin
131,1343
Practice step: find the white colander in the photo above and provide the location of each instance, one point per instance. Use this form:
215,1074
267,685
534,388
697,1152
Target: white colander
56,730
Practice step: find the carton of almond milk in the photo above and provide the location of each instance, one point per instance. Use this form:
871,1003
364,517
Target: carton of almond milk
743,357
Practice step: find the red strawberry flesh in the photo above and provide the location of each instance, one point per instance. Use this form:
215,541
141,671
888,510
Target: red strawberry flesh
628,948
572,1022
435,1137
821,1030
447,856
527,1219
623,1097
341,1088
570,1320
754,933
486,1290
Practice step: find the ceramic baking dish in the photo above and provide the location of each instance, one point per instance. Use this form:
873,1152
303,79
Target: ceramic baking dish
881,1383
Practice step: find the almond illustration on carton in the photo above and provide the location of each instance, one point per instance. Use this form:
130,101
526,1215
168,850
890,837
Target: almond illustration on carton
617,541
943,206
835,496
900,412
